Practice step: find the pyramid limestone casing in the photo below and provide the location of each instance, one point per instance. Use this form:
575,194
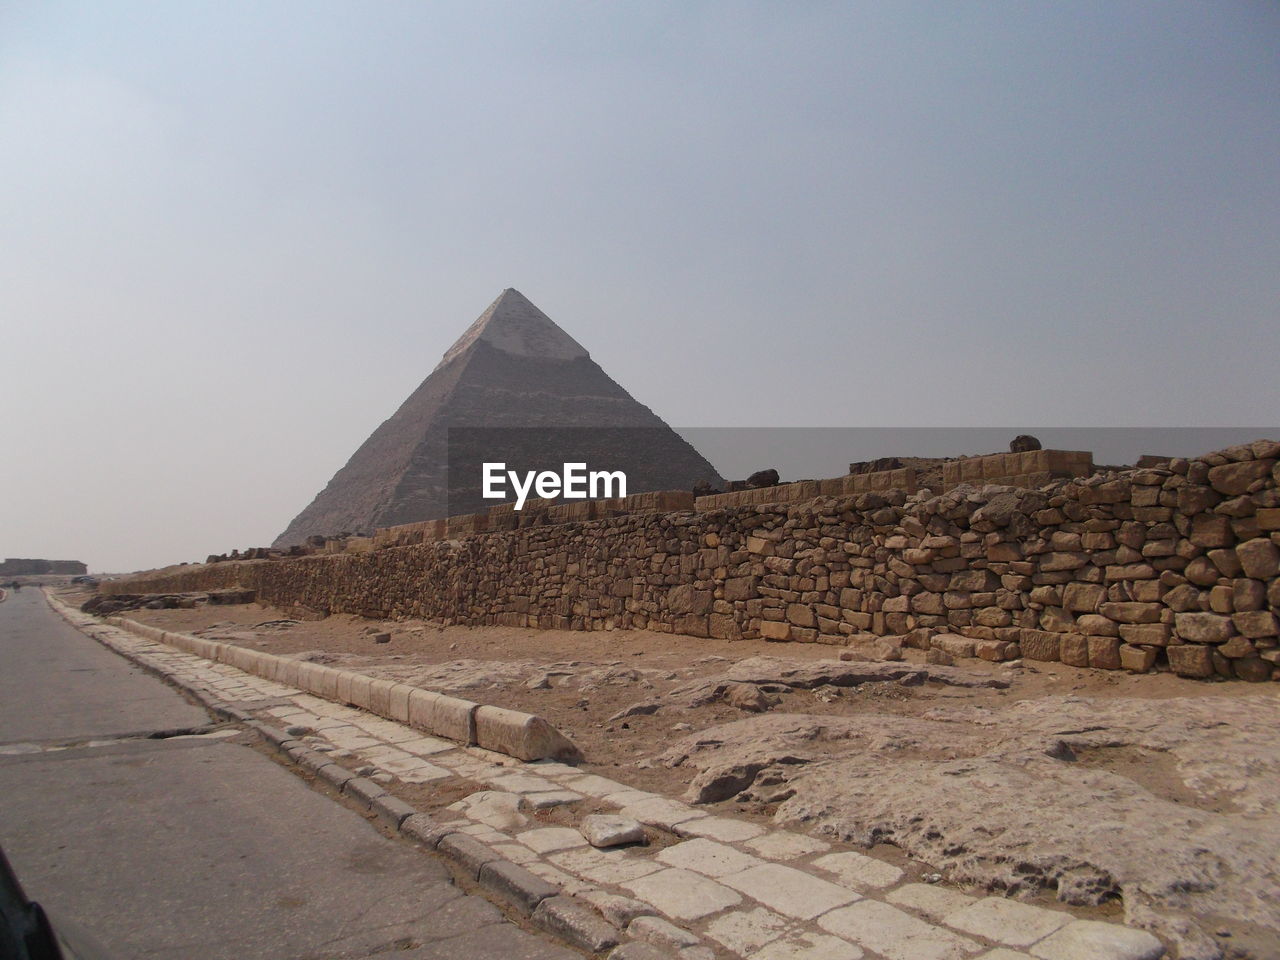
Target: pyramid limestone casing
513,367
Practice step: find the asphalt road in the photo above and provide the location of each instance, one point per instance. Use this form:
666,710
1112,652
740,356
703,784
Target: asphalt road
196,847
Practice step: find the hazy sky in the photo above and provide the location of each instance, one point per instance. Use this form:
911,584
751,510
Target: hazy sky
236,235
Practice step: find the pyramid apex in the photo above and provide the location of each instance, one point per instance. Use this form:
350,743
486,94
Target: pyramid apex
514,325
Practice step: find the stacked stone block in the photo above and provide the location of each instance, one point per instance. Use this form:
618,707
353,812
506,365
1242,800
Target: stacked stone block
884,480
1030,468
407,534
1161,568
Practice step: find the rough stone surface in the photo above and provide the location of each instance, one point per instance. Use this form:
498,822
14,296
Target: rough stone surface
1089,940
1092,777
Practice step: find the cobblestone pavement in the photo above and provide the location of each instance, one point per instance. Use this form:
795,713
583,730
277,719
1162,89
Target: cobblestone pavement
720,888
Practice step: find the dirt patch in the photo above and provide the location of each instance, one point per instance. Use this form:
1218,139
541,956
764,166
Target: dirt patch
580,682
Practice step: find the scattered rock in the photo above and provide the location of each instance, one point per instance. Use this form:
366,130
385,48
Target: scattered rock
748,697
604,830
827,694
644,708
493,808
763,478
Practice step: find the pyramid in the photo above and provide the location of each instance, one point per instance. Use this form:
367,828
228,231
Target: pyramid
513,368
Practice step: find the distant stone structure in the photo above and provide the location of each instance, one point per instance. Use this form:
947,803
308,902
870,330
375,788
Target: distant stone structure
513,368
36,568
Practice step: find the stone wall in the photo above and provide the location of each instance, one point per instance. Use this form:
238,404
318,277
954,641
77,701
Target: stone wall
1160,568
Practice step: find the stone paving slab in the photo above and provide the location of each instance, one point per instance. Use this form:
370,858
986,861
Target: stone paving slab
683,894
894,934
724,829
708,858
859,871
1006,921
790,891
933,901
1082,939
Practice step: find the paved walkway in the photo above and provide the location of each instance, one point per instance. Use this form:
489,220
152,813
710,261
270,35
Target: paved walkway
198,846
722,887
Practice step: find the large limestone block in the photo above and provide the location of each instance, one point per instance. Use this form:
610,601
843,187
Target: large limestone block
1041,645
1256,623
443,716
1130,612
398,702
1146,634
1234,479
775,630
1083,597
1259,558
1191,660
1211,530
954,644
1096,625
1074,649
521,735
1104,653
1137,659
1203,627
324,682
379,696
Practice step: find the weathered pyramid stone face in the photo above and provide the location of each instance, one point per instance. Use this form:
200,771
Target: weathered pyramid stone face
512,368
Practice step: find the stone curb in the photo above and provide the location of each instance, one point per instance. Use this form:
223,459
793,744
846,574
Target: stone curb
422,829
543,902
579,925
364,791
522,889
392,811
524,736
467,851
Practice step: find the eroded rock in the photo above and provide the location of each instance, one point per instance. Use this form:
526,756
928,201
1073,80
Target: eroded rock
1171,805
